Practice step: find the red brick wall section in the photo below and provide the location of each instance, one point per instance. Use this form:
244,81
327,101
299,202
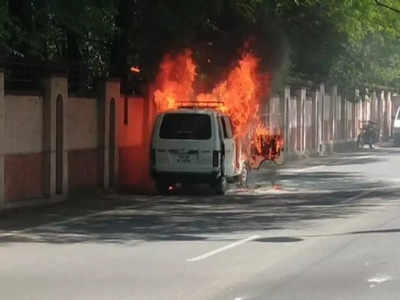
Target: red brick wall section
134,170
83,169
23,176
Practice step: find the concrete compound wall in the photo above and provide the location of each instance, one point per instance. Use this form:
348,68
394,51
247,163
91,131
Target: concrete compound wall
81,121
52,143
23,147
134,129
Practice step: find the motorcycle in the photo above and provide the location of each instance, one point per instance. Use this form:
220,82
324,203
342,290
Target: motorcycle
369,135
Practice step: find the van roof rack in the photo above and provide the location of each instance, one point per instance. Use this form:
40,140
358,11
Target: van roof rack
199,104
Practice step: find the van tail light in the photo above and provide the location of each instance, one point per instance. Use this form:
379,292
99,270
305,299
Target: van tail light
215,158
153,156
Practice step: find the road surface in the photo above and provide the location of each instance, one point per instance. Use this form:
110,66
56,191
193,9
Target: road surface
326,228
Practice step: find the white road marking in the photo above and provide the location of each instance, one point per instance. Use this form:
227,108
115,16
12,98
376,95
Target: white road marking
360,195
304,169
378,279
219,250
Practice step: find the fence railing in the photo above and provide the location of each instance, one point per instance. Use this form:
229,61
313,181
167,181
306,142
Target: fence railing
323,118
24,76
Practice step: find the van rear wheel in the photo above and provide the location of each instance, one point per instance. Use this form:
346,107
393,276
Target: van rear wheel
162,187
221,185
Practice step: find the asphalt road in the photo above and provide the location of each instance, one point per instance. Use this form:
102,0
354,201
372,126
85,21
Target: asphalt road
326,228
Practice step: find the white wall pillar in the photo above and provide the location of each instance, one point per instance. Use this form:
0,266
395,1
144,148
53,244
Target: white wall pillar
355,113
321,113
315,122
2,132
56,86
389,114
381,107
113,92
382,111
302,103
286,121
110,92
333,119
343,119
298,121
375,108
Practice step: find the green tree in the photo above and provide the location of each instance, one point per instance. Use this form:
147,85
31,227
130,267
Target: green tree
343,41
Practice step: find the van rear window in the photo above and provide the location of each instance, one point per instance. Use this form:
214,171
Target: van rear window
186,126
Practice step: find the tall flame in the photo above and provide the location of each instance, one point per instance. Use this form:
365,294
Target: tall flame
239,96
175,81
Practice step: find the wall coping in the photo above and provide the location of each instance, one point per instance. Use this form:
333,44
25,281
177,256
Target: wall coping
73,97
57,75
34,93
113,79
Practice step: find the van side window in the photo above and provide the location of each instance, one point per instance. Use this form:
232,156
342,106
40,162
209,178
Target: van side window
222,124
227,128
221,130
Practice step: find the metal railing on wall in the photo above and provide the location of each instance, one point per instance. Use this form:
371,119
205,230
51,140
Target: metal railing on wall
24,76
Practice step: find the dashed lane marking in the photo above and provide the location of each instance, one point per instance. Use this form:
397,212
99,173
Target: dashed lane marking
222,249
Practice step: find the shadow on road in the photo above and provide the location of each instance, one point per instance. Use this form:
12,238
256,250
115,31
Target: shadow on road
199,214
392,230
280,239
182,218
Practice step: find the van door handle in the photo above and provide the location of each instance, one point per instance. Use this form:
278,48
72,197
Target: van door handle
193,152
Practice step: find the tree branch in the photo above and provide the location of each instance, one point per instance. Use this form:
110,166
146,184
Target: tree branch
387,6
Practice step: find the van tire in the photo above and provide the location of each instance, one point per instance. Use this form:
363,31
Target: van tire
162,187
221,185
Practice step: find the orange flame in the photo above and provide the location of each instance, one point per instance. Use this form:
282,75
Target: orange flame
239,96
175,80
135,69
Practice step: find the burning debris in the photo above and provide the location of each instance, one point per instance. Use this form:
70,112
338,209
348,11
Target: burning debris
240,96
264,146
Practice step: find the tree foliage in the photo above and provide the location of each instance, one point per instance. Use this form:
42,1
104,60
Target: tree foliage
343,41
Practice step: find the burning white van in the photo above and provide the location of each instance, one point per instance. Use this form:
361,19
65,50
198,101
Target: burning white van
195,145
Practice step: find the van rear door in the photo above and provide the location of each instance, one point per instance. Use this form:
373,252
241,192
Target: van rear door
185,143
